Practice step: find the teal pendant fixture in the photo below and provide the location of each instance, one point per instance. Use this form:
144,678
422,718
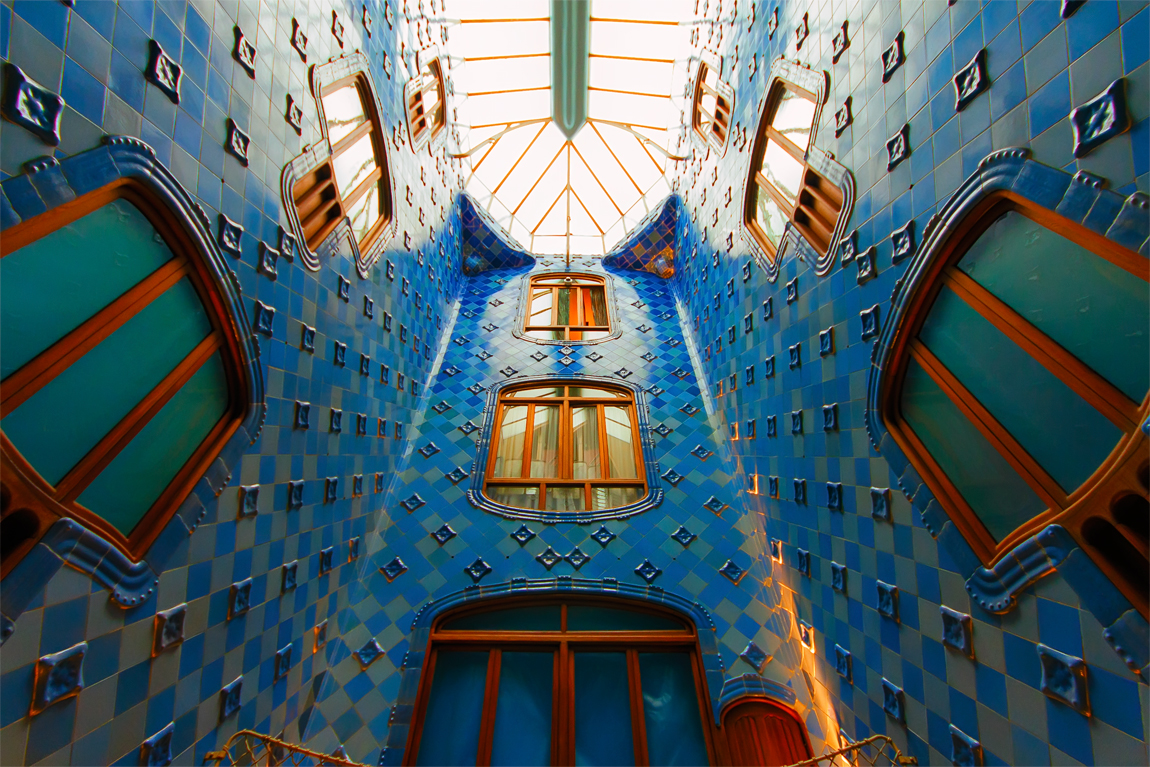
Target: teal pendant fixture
570,63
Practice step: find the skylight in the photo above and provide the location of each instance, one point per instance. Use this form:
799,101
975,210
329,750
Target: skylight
558,196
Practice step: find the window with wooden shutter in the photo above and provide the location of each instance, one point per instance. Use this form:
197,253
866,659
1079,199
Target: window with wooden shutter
712,105
426,113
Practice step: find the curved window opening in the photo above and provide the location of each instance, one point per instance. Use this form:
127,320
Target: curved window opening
426,110
575,681
565,446
712,106
353,182
567,307
763,733
1019,386
782,187
120,391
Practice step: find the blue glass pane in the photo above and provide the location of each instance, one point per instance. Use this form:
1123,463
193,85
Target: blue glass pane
597,618
602,710
1037,408
1092,308
454,710
51,286
1000,498
129,485
671,710
522,734
59,424
545,618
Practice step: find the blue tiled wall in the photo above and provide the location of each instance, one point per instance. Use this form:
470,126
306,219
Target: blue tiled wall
1041,67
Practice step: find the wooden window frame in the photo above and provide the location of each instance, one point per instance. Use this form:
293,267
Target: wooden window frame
25,489
717,129
816,207
419,127
578,281
565,458
317,193
1124,470
563,688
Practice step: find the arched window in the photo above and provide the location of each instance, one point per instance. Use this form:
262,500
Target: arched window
1018,383
764,733
426,110
122,385
712,104
567,307
783,186
353,182
565,446
562,682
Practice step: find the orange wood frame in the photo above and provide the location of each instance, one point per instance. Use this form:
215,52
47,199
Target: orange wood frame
1117,474
563,644
748,740
717,124
316,195
419,121
815,208
581,306
565,456
24,488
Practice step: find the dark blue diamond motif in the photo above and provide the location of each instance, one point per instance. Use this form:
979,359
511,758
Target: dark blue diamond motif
412,503
867,269
800,491
623,373
803,562
647,571
902,244
732,571
429,450
475,388
773,486
31,106
538,356
662,430
772,426
843,663
680,373
1100,119
870,322
754,656
523,535
477,570
839,577
892,57
880,503
156,751
265,316
443,534
957,631
58,676
326,560
163,72
793,290
701,453
1064,678
577,558
830,417
893,701
689,409
796,422
450,371
239,598
369,653
835,496
672,476
898,147
549,558
713,504
441,408
468,427
648,356
393,569
594,356
965,751
457,475
796,355
603,536
508,371
230,698
887,600
683,536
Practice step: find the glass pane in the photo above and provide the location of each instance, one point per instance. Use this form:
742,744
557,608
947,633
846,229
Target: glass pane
343,110
545,392
566,499
602,710
536,618
770,217
540,307
516,496
566,316
599,618
1032,404
671,709
591,335
354,165
793,117
782,170
614,497
1092,308
364,213
585,443
88,264
522,734
131,483
620,452
455,706
59,424
545,335
586,391
1000,498
596,313
509,452
545,442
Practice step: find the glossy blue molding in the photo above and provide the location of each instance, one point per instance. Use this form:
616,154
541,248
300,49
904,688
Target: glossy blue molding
1082,199
753,686
814,81
341,240
490,595
651,245
50,183
475,493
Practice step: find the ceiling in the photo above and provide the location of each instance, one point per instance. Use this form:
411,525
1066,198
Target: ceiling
555,195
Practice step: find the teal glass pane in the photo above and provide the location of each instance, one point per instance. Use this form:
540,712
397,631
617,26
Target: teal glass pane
522,733
48,288
125,490
994,491
602,710
539,618
1095,310
598,618
454,710
671,710
1063,432
59,424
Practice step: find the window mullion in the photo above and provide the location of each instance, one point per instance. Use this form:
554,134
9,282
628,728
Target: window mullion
490,701
604,459
638,724
528,434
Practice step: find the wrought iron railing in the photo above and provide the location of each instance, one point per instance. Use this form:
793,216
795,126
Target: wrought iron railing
253,749
875,750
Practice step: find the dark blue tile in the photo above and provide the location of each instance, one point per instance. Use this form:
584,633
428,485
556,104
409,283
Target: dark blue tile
49,19
1135,41
82,92
1050,103
1090,24
1037,20
1114,700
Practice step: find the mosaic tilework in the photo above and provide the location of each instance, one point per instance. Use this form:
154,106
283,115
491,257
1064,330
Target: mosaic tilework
484,244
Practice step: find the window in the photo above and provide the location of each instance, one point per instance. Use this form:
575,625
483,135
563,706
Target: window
565,447
122,384
763,732
573,682
354,181
783,187
711,107
567,307
1020,383
425,104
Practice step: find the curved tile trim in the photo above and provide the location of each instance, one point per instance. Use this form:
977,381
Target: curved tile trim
1080,198
754,686
54,183
485,244
651,245
475,493
404,710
